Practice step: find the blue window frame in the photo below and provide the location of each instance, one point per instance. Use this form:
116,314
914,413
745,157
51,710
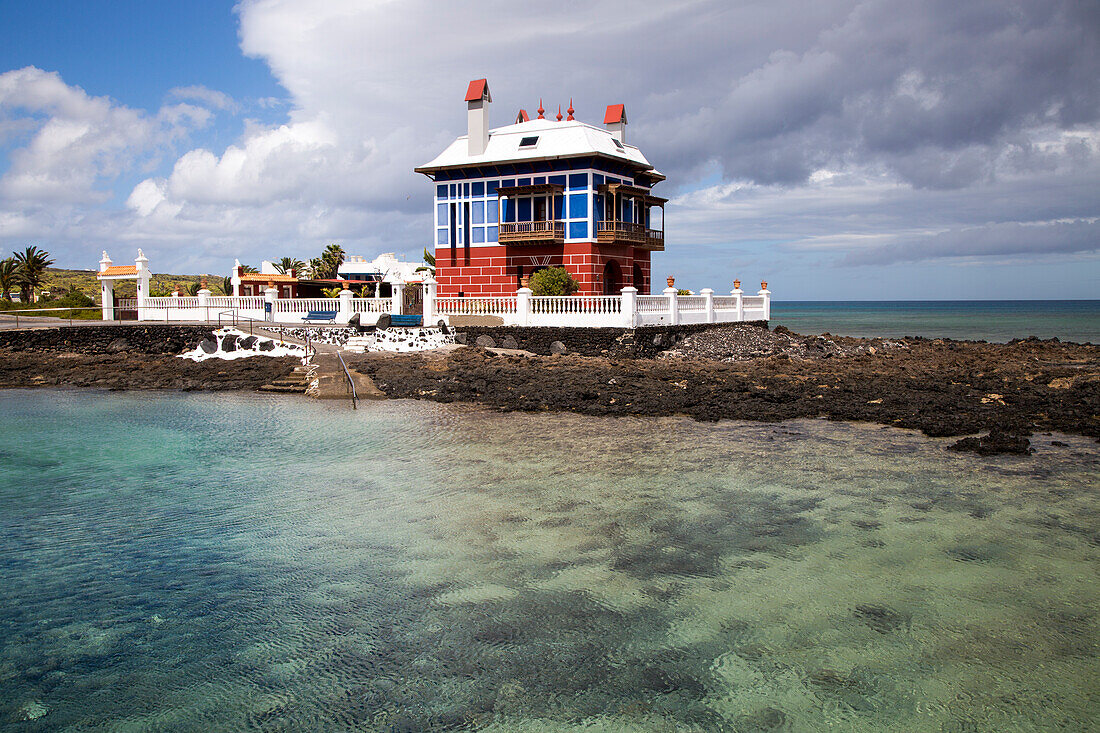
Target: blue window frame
578,206
578,181
578,229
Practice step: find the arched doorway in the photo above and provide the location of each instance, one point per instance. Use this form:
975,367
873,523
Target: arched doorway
612,278
639,279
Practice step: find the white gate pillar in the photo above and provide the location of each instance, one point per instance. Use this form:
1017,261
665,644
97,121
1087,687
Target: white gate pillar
630,306
141,264
739,305
397,299
430,289
708,300
344,314
107,290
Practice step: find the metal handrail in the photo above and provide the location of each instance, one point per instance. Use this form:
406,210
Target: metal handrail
17,311
351,382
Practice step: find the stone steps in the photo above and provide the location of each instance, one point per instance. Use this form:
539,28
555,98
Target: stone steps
295,382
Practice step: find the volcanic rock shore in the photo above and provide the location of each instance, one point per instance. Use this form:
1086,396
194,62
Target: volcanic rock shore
134,370
941,387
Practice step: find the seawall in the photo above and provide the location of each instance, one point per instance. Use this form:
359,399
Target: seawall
644,341
144,338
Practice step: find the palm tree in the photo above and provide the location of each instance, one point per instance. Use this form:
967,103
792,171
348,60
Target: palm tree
326,266
32,264
227,285
287,264
8,277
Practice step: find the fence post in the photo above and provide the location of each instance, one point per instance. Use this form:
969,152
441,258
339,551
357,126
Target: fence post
523,306
708,299
204,301
106,291
673,305
766,295
141,285
397,299
270,296
739,305
344,314
630,306
430,288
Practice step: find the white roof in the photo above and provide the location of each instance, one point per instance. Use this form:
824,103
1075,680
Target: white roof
556,140
386,264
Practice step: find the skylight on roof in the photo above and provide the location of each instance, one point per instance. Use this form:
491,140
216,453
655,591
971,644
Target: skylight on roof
529,142
618,144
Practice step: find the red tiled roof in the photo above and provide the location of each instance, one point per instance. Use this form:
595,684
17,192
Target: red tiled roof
615,113
259,277
477,90
119,270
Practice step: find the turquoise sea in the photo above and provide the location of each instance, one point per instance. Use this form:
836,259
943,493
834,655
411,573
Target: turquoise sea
222,562
987,320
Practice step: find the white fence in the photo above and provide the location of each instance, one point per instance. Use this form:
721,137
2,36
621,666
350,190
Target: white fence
522,309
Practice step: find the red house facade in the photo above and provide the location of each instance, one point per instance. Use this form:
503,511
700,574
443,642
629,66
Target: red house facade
543,193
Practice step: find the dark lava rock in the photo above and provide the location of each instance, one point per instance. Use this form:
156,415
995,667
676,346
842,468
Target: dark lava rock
118,345
996,442
266,346
384,322
229,343
208,346
485,342
558,348
460,338
509,343
247,342
443,327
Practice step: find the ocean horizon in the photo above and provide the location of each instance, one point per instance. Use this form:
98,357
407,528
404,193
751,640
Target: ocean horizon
978,320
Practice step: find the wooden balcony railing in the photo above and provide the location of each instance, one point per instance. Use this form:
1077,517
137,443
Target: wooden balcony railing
532,232
654,240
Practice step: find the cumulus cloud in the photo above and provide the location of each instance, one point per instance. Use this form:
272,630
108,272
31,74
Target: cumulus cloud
73,142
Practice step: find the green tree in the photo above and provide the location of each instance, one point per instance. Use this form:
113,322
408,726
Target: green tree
32,264
326,266
8,277
247,269
193,289
286,264
553,281
227,286
429,262
331,292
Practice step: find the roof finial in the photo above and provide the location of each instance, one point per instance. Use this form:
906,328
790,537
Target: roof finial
570,110
541,110
559,113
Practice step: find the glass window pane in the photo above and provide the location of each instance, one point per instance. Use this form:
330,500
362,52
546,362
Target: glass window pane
491,211
441,212
441,191
479,235
578,181
479,189
477,211
440,236
490,234
491,187
578,206
578,229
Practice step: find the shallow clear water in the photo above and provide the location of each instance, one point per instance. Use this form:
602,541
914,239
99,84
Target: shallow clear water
987,320
224,562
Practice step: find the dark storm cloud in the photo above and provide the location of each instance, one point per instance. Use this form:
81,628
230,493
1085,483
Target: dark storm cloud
934,92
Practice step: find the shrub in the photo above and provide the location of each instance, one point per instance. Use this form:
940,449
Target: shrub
554,281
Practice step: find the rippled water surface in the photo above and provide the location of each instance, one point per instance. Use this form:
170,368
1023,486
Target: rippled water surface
183,562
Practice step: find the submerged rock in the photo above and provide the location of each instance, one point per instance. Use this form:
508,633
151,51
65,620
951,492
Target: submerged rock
996,442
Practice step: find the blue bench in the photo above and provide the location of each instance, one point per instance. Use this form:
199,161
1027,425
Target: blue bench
405,320
329,316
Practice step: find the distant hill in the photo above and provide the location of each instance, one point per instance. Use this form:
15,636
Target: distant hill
59,282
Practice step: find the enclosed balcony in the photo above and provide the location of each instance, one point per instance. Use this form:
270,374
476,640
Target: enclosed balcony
627,217
527,215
